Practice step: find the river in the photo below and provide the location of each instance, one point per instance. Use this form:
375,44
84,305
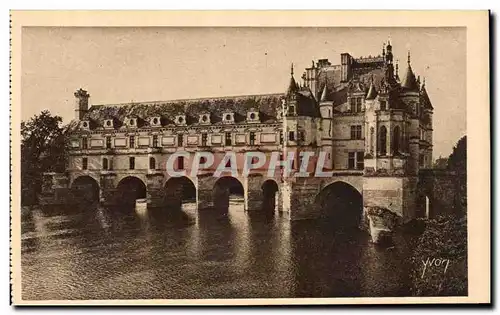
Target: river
99,253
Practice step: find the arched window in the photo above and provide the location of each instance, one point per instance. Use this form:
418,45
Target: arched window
105,164
382,141
396,140
152,163
372,135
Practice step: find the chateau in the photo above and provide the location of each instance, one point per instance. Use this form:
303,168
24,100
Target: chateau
374,124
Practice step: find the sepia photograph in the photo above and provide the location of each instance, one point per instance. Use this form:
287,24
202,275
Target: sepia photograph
237,163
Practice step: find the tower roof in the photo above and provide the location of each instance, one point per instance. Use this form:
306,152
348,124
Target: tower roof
372,92
425,97
292,85
324,94
409,81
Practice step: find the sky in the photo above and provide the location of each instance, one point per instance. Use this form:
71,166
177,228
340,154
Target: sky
118,65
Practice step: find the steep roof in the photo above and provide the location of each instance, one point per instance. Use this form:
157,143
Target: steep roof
266,104
372,92
409,81
424,97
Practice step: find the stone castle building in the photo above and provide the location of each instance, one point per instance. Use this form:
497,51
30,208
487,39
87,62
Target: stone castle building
374,124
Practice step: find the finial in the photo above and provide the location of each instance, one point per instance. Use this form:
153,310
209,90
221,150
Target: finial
423,83
312,63
408,56
383,49
291,70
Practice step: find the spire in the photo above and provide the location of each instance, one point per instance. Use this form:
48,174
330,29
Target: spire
397,70
372,91
324,94
292,86
409,81
425,97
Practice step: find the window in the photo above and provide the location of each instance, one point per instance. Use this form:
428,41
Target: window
204,139
421,160
131,163
155,141
105,164
291,109
228,163
356,132
383,105
152,163
372,133
351,162
382,143
302,136
85,143
85,163
252,116
291,136
360,163
203,160
180,163
352,103
180,140
228,139
252,138
132,141
359,103
108,142
281,137
396,140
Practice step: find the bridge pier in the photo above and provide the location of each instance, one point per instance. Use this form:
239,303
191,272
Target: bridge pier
154,190
253,192
204,191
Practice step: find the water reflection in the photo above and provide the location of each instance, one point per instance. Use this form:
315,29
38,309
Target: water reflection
118,253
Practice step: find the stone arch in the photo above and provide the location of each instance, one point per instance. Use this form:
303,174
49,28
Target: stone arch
85,189
225,188
270,189
129,189
341,203
179,190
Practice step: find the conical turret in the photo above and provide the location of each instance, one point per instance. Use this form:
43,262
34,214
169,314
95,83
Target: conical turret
409,81
324,94
372,92
292,86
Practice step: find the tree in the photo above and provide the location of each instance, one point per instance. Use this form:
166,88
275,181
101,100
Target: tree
441,163
43,149
458,158
457,162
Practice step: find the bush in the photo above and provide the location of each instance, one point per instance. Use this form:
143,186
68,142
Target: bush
442,251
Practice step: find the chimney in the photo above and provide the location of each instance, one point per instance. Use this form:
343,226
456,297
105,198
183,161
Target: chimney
81,103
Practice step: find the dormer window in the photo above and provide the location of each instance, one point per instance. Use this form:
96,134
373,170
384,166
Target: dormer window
108,123
132,122
228,118
253,116
204,119
180,119
155,121
85,124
